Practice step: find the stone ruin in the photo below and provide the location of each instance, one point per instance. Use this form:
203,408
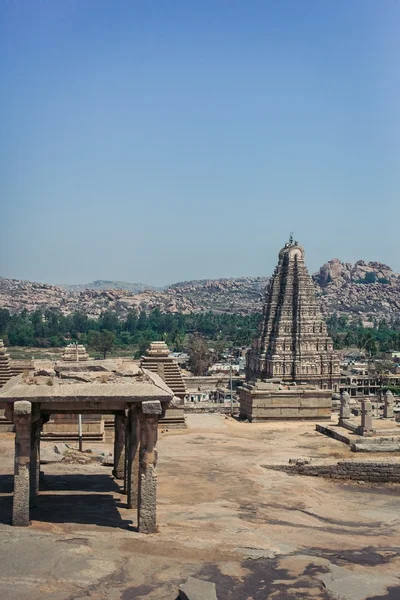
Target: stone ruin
5,369
75,353
158,360
136,397
364,432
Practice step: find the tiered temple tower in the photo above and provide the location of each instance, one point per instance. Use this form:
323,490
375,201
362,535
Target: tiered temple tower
158,360
5,369
293,344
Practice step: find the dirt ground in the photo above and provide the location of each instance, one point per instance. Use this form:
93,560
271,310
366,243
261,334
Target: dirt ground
257,533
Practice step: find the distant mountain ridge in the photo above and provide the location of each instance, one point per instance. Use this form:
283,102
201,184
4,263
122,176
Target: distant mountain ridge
364,290
102,284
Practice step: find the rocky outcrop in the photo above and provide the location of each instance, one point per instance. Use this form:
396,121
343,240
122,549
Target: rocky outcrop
337,273
366,290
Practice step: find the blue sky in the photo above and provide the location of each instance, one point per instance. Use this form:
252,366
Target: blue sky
170,140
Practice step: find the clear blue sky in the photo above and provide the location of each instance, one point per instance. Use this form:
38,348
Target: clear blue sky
159,141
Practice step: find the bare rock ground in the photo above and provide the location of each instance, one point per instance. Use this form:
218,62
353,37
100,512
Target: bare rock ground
256,533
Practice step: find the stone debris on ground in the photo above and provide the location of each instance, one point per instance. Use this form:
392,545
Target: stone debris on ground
64,452
197,589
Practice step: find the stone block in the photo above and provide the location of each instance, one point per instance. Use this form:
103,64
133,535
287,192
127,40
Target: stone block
151,407
197,589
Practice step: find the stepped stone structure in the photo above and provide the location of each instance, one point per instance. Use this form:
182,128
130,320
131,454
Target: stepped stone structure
157,359
5,369
75,352
293,344
293,353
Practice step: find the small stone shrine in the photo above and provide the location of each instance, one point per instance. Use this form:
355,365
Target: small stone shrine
158,360
75,353
292,369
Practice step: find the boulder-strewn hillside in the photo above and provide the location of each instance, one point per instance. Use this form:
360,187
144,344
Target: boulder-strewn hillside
361,290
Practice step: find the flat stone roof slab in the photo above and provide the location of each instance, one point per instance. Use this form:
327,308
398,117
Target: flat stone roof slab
144,385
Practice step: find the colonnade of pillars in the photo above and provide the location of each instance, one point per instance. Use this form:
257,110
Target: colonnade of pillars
135,459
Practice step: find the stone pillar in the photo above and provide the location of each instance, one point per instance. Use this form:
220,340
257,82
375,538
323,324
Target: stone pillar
133,436
34,468
388,399
22,420
147,508
345,411
119,446
366,417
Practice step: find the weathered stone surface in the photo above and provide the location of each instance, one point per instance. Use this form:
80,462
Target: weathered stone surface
61,448
119,446
354,470
48,455
197,589
22,420
151,407
148,501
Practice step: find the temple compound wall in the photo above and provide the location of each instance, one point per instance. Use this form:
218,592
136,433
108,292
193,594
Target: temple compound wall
292,353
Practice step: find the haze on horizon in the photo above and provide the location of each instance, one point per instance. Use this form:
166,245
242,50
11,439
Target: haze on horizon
162,142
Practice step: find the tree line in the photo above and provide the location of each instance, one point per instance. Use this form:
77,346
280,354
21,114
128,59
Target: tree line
379,337
51,328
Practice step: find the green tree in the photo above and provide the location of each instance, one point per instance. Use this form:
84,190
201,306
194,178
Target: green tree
200,357
102,341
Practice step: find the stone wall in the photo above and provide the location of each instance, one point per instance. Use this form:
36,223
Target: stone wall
382,472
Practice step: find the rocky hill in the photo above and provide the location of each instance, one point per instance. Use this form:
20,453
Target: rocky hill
101,285
366,290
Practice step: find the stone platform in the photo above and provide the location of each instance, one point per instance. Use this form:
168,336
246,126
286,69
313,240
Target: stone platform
385,437
264,401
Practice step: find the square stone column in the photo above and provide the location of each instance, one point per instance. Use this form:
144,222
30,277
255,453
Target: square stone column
132,464
388,407
366,417
119,446
34,469
22,420
345,411
147,501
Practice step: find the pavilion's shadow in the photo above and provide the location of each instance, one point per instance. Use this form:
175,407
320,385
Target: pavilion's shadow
79,483
95,505
87,508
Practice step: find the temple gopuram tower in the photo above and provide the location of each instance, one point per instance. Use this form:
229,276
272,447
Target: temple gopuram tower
293,351
293,343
